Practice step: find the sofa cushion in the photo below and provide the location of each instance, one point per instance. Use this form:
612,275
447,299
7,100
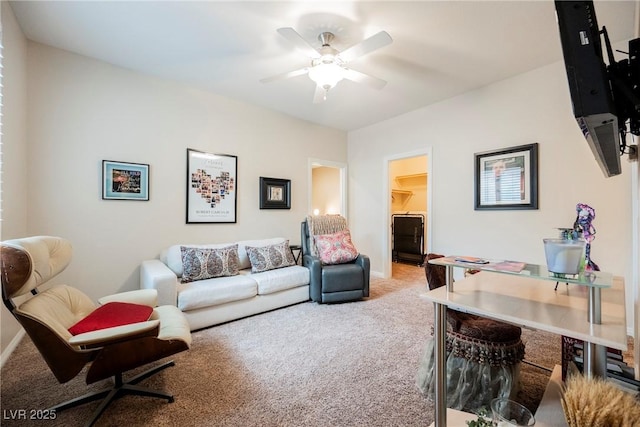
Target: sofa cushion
336,248
211,292
279,279
270,257
206,263
242,249
172,256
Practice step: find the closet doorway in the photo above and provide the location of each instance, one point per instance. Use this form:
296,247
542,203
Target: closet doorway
408,209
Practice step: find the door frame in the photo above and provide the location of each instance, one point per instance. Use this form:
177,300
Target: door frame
386,191
343,183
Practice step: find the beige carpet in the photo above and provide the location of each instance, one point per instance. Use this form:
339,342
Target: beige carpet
348,364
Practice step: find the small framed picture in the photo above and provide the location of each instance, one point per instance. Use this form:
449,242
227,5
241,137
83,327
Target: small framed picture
507,178
275,193
125,181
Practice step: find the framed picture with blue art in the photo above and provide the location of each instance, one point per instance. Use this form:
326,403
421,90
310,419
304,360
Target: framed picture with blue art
125,181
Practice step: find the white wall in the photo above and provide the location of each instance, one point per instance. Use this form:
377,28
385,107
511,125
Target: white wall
14,126
533,107
13,173
82,111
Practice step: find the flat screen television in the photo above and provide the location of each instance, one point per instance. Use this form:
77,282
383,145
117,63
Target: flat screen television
604,96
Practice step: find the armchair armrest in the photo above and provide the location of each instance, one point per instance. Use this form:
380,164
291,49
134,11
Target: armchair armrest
148,297
315,276
364,262
154,274
107,336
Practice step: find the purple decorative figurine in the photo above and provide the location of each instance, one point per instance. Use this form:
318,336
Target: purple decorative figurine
582,226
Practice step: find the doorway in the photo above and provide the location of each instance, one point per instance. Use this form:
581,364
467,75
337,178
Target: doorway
327,188
408,200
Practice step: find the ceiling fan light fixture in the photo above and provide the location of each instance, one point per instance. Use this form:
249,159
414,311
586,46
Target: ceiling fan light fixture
328,65
326,75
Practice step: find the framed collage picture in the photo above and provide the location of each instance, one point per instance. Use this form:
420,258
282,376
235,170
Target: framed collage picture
211,187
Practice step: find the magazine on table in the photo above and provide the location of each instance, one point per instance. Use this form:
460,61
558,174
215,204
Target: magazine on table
485,264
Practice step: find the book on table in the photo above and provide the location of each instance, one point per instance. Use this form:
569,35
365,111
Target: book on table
513,266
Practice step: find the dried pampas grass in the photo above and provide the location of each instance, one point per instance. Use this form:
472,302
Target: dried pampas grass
597,402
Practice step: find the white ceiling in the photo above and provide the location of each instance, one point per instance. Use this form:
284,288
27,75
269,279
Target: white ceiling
440,48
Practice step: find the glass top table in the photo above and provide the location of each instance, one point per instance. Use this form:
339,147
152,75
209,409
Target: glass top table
510,291
597,279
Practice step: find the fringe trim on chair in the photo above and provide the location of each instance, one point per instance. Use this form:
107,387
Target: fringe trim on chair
485,352
471,385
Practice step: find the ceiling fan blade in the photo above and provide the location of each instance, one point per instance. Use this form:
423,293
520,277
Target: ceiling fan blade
300,43
283,76
320,95
374,42
359,77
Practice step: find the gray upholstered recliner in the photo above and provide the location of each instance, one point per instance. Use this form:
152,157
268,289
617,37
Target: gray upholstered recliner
332,283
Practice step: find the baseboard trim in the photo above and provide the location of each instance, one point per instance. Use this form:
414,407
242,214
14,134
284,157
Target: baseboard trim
377,274
12,346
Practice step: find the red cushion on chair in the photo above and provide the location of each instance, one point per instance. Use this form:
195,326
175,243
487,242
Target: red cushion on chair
112,314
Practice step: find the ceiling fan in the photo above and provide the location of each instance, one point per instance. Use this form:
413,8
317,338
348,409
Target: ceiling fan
329,66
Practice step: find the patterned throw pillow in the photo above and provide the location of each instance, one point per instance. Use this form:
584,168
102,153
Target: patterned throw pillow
270,257
206,263
336,248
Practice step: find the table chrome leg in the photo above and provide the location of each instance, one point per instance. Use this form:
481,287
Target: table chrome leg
595,356
449,278
595,307
440,333
595,360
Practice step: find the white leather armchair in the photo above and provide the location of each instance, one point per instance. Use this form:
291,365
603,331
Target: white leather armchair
46,316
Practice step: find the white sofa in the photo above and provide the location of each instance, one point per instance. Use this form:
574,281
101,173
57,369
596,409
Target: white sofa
212,301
